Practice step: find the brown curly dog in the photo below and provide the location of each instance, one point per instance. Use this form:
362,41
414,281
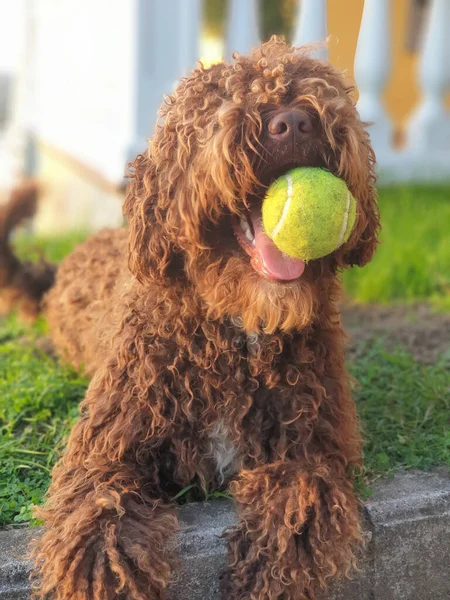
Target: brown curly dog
210,364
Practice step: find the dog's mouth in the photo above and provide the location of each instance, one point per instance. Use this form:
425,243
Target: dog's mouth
265,257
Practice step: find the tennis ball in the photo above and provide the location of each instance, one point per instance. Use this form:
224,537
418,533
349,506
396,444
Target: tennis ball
308,213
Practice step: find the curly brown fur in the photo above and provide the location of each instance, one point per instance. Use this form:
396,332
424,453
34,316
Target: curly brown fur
22,284
203,369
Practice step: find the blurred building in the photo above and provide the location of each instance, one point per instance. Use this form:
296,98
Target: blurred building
80,84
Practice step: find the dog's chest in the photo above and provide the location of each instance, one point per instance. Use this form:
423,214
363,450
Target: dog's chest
222,449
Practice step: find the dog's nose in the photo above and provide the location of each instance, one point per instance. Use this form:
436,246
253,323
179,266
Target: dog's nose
289,125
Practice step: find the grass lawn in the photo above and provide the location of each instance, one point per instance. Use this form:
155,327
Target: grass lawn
404,406
53,249
412,262
38,405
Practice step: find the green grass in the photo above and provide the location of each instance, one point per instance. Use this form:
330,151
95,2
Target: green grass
38,405
404,408
53,249
413,259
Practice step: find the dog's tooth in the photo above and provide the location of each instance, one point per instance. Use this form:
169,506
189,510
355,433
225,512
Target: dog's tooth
249,235
244,225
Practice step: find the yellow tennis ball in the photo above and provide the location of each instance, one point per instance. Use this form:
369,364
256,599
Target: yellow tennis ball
308,213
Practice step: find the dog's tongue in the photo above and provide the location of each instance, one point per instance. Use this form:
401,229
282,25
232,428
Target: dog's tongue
268,258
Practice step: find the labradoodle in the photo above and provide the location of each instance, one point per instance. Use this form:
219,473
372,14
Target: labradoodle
209,363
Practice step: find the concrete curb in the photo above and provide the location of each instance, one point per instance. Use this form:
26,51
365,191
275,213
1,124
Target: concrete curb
407,522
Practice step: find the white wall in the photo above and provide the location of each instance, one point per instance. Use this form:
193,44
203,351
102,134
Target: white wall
81,79
12,138
11,34
100,69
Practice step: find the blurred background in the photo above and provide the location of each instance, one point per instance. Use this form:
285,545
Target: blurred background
81,83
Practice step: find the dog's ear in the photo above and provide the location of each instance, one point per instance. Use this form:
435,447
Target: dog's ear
152,256
368,227
358,159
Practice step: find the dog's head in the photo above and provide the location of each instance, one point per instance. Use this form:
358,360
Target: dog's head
227,132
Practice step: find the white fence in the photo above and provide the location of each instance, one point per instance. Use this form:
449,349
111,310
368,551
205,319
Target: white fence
426,155
95,72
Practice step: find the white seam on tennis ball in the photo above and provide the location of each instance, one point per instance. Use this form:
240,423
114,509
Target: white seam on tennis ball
284,214
346,215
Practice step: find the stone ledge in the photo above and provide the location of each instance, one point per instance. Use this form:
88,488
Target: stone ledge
407,557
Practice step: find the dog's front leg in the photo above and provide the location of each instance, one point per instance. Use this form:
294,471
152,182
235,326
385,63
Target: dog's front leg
106,526
298,527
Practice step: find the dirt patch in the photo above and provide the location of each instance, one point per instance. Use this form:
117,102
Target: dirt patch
424,333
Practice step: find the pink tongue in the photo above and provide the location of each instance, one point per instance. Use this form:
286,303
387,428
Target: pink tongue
269,258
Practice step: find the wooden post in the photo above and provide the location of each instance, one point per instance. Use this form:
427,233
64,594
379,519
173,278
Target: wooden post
429,127
312,25
243,26
372,69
